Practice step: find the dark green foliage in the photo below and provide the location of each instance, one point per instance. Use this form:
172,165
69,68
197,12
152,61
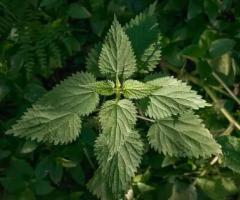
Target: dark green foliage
44,41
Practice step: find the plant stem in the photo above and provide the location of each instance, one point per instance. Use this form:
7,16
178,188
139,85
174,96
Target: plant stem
118,89
145,118
226,87
88,158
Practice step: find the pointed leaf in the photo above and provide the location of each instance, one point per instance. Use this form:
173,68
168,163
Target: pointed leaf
73,94
117,119
172,97
183,136
143,32
119,166
133,89
117,57
118,148
231,152
55,118
45,124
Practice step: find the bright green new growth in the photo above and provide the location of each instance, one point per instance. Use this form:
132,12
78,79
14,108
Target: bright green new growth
176,131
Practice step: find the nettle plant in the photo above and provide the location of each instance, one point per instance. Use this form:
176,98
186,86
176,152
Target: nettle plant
165,102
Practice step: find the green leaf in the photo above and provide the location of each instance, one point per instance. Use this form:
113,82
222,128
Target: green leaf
28,147
56,172
143,32
193,51
133,89
47,125
73,94
42,187
106,88
117,119
231,152
183,191
194,8
55,118
182,136
172,97
217,188
77,174
119,166
221,46
92,60
211,8
77,11
13,184
99,187
117,57
118,148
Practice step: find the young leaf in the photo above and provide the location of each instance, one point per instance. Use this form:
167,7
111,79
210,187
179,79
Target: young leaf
117,57
55,118
231,152
133,89
119,166
143,32
183,136
172,97
117,119
104,87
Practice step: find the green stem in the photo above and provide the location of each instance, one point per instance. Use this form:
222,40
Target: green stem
145,118
226,87
118,89
88,158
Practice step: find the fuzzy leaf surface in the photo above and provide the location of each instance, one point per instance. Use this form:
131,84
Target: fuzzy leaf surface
55,118
118,149
184,136
133,89
172,97
74,94
119,166
117,57
147,50
117,118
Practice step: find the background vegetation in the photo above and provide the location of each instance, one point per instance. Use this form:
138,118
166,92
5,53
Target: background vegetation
43,41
